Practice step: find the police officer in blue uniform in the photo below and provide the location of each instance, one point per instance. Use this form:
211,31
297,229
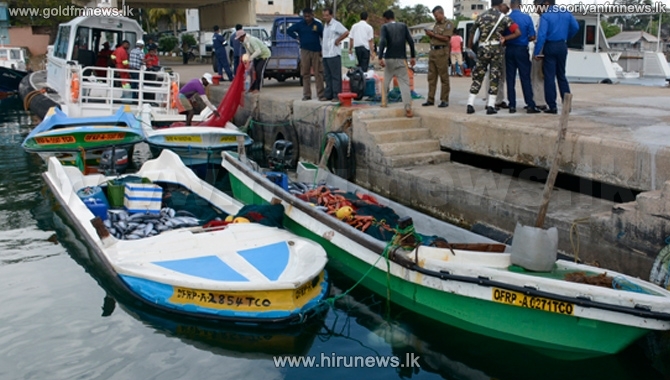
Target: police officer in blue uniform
556,28
517,58
220,52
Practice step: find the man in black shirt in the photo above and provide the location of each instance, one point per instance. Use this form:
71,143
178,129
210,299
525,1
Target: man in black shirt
393,57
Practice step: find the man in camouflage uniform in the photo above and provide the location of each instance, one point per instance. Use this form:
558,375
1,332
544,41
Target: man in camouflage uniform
489,52
438,60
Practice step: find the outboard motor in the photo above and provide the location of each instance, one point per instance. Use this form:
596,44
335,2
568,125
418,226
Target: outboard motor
119,162
281,156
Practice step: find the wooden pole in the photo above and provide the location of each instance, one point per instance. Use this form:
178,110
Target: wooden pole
384,90
241,151
553,171
326,153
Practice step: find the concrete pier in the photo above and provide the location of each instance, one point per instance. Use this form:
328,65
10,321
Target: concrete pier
617,134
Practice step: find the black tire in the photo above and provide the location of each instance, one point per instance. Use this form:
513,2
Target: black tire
300,79
606,81
215,64
338,162
289,133
281,78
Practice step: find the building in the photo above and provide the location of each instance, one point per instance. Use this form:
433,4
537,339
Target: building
470,8
266,12
4,25
419,31
633,40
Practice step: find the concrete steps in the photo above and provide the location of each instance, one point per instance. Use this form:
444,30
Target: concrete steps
392,124
400,141
409,147
411,134
419,159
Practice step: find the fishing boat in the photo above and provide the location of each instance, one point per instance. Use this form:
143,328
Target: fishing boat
12,68
170,261
196,145
469,283
85,137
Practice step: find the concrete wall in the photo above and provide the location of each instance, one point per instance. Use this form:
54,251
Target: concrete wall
23,36
282,7
228,14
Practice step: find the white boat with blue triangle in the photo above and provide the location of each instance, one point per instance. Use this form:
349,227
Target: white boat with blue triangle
200,265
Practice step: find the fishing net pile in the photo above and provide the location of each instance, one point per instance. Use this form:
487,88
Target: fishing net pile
360,211
181,208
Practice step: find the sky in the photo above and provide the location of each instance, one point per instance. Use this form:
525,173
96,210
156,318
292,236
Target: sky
449,4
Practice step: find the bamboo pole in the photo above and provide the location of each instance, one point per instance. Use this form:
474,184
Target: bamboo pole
553,171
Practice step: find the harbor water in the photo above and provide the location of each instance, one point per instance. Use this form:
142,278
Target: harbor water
60,318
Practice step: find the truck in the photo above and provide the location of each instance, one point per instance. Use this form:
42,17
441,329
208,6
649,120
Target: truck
285,60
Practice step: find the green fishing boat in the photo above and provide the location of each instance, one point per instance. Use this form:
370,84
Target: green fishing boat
471,283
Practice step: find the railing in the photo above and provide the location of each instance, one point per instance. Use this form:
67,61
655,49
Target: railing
101,90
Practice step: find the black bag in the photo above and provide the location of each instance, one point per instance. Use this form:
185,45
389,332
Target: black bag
357,82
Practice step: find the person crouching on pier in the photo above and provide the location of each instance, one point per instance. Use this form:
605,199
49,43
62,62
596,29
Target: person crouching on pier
188,93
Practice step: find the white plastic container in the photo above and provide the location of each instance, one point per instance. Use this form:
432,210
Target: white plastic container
534,249
142,198
306,173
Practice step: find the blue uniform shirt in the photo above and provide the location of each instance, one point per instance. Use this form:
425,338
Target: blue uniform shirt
217,42
525,24
555,25
238,49
309,35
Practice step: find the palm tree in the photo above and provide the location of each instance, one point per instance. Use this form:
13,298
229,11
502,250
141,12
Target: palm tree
173,16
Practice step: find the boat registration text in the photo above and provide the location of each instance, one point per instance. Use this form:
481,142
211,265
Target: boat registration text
55,140
104,137
531,302
228,139
184,139
220,300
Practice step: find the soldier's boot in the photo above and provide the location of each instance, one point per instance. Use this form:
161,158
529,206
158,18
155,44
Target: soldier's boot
491,106
471,103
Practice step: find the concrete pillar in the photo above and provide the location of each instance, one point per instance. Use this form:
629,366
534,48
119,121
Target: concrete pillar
227,14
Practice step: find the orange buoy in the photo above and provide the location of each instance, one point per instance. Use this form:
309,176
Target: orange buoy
74,87
175,95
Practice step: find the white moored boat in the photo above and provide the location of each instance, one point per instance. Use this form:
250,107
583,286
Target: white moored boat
240,272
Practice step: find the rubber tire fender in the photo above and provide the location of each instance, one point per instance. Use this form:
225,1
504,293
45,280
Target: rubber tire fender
289,133
338,162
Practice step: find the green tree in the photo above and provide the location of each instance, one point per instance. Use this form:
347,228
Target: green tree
610,29
174,17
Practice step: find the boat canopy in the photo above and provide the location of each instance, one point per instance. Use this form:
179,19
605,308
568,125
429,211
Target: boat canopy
58,119
82,38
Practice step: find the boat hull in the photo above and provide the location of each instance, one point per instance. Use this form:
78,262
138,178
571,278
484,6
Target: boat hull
10,79
555,334
262,306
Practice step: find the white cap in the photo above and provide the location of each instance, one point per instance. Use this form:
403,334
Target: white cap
139,42
208,77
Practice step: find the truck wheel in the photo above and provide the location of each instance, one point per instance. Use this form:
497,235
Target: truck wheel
300,77
281,78
215,64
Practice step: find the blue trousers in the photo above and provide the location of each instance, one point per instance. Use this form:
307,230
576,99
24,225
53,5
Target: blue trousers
517,58
555,57
236,63
222,63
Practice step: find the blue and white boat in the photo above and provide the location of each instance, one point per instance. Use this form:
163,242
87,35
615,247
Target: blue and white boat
240,272
66,137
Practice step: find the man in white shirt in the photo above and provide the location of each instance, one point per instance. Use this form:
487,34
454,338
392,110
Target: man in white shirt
361,39
536,76
333,33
